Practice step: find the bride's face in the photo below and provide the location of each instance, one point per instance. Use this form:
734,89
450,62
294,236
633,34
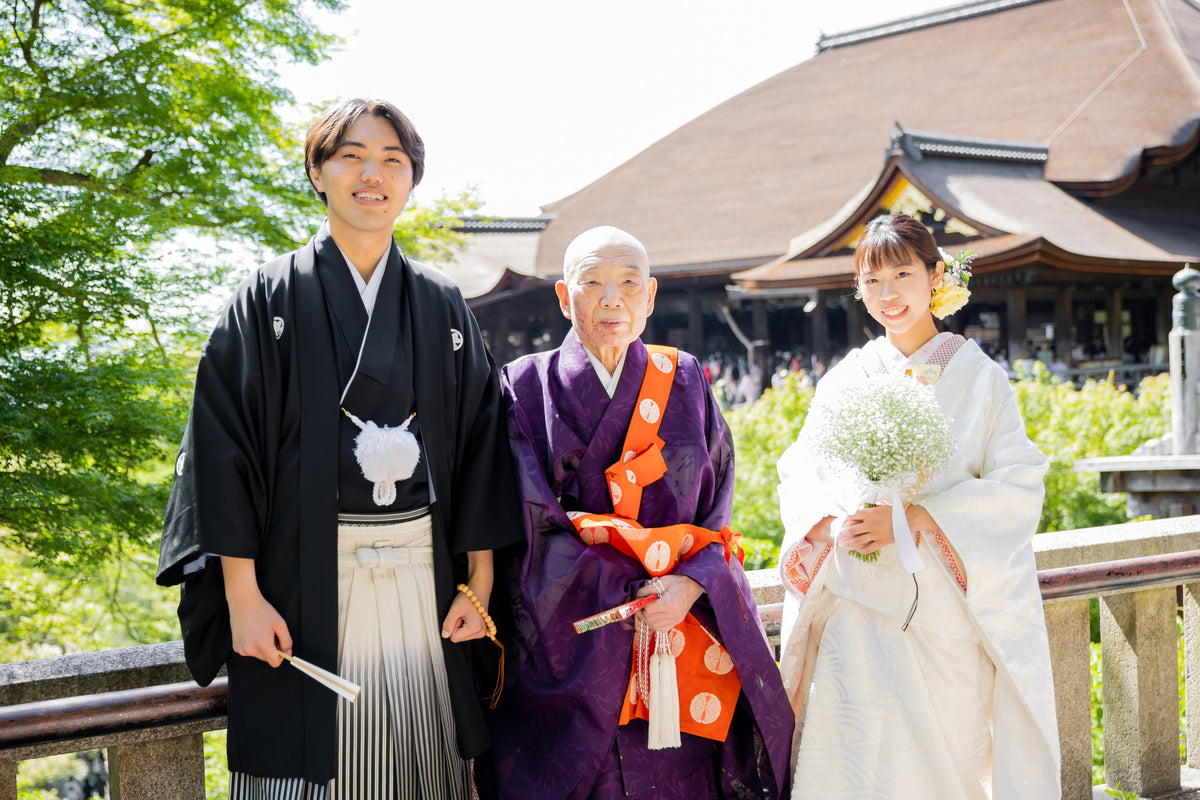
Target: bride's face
897,297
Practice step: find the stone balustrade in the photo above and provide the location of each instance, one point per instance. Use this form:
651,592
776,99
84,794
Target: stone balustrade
1140,679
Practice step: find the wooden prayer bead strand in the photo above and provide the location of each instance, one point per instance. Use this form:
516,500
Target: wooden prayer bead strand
494,700
487,620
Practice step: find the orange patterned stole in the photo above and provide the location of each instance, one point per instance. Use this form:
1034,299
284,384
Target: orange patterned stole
708,682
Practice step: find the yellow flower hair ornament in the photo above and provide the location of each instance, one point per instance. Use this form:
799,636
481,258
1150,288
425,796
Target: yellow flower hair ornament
953,293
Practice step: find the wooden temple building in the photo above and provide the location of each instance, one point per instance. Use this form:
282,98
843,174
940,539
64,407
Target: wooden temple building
1059,140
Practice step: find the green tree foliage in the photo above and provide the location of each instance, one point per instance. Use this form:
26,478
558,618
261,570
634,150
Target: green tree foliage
426,232
761,432
121,126
142,151
1100,418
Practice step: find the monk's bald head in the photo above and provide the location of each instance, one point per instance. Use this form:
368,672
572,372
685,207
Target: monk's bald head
607,242
606,291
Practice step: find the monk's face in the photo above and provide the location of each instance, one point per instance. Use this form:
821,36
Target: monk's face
607,295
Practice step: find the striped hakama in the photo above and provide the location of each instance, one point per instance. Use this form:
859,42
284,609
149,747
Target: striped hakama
397,741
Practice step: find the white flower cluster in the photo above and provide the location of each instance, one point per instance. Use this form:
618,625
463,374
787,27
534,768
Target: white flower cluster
886,430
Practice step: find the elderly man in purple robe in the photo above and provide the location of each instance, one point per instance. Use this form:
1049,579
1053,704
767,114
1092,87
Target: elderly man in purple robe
567,725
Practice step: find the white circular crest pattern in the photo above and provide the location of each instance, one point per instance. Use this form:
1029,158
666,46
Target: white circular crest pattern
649,410
705,708
615,490
717,660
456,338
663,363
179,462
658,556
631,476
594,534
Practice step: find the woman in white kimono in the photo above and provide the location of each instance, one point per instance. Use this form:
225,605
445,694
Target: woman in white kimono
956,701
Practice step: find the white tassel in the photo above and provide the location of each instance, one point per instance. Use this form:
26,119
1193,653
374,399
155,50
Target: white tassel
664,697
385,455
654,735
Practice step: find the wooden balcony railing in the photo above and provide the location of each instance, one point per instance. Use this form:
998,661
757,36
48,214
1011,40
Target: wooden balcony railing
138,703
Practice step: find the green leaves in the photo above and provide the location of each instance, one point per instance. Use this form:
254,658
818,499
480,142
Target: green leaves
761,432
1100,418
165,108
426,232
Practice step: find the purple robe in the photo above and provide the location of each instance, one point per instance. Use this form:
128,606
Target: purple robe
557,723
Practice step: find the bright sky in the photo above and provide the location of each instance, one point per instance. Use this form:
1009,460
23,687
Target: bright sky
531,100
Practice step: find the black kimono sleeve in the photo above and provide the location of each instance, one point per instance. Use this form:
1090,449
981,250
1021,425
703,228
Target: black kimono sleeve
488,516
220,500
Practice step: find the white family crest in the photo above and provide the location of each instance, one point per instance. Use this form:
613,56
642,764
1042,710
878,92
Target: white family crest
649,410
278,322
179,462
456,338
663,362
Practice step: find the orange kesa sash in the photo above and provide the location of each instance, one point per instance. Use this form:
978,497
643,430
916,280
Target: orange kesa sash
708,682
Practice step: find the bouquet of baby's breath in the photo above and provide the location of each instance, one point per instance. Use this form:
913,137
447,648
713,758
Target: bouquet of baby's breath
886,431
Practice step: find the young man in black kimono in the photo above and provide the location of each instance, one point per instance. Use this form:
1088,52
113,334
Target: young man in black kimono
343,473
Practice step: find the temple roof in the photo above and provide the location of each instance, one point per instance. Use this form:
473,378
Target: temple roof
1102,89
990,197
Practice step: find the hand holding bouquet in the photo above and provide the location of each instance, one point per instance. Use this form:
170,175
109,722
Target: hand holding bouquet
886,431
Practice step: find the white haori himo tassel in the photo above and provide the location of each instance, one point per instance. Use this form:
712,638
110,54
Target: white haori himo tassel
664,696
385,455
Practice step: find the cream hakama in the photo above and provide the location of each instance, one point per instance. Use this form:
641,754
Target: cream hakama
961,704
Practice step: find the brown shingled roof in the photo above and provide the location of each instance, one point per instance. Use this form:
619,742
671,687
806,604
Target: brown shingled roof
1105,91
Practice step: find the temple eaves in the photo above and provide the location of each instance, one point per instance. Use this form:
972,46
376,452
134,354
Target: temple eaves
917,145
502,224
917,22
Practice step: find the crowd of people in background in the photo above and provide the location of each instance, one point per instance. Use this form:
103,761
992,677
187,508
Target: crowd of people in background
736,382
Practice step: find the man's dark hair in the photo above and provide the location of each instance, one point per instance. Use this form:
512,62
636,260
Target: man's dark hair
328,133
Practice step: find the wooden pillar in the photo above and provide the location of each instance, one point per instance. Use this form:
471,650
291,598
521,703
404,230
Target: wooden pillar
1016,316
856,320
820,330
501,349
1064,336
562,327
695,322
760,332
1163,323
1113,343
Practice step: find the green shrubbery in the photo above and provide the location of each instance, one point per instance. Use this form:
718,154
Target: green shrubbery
1100,418
761,432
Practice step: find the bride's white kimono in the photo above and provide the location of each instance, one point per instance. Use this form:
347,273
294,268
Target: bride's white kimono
961,705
